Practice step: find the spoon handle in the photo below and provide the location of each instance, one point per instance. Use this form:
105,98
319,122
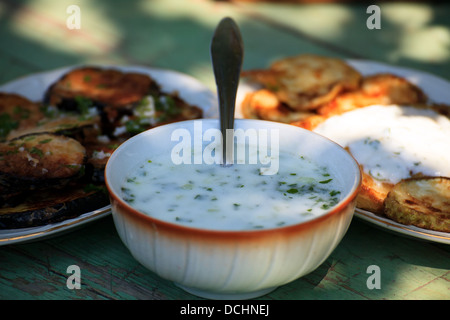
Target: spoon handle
227,54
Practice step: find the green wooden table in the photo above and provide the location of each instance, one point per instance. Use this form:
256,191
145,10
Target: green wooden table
176,35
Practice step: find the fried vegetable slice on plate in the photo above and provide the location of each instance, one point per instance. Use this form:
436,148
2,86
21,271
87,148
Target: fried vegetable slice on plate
377,89
40,160
128,102
421,202
382,89
112,92
152,111
17,113
265,105
20,116
305,82
98,152
105,86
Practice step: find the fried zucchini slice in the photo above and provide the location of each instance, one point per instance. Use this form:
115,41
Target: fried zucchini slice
306,82
372,193
40,160
381,89
377,89
50,206
265,105
421,202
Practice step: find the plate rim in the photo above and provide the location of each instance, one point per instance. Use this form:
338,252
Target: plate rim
406,230
22,235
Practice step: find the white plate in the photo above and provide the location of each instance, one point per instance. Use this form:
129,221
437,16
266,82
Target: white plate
406,230
34,86
437,90
11,236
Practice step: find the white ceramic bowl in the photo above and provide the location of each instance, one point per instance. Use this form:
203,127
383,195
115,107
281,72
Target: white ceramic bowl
219,264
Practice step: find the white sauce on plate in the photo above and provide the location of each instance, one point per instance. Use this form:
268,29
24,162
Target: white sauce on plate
232,198
393,142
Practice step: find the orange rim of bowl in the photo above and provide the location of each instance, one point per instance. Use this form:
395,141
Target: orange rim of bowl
339,208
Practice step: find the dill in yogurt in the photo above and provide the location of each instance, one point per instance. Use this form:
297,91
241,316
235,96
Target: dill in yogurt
239,197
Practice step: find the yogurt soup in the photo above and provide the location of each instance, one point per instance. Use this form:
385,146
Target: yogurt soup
238,197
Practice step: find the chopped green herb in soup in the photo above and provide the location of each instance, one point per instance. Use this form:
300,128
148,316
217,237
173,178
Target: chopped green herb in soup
238,197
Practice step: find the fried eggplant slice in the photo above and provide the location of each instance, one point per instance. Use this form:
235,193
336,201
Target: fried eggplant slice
120,98
421,202
110,90
107,86
171,108
67,124
17,113
306,82
98,153
37,161
153,111
51,206
20,116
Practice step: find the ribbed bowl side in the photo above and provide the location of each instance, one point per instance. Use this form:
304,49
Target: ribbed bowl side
227,265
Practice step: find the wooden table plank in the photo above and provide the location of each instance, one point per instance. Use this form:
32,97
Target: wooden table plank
345,273
108,271
410,269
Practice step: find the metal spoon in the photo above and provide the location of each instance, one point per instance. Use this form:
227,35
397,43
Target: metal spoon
227,54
